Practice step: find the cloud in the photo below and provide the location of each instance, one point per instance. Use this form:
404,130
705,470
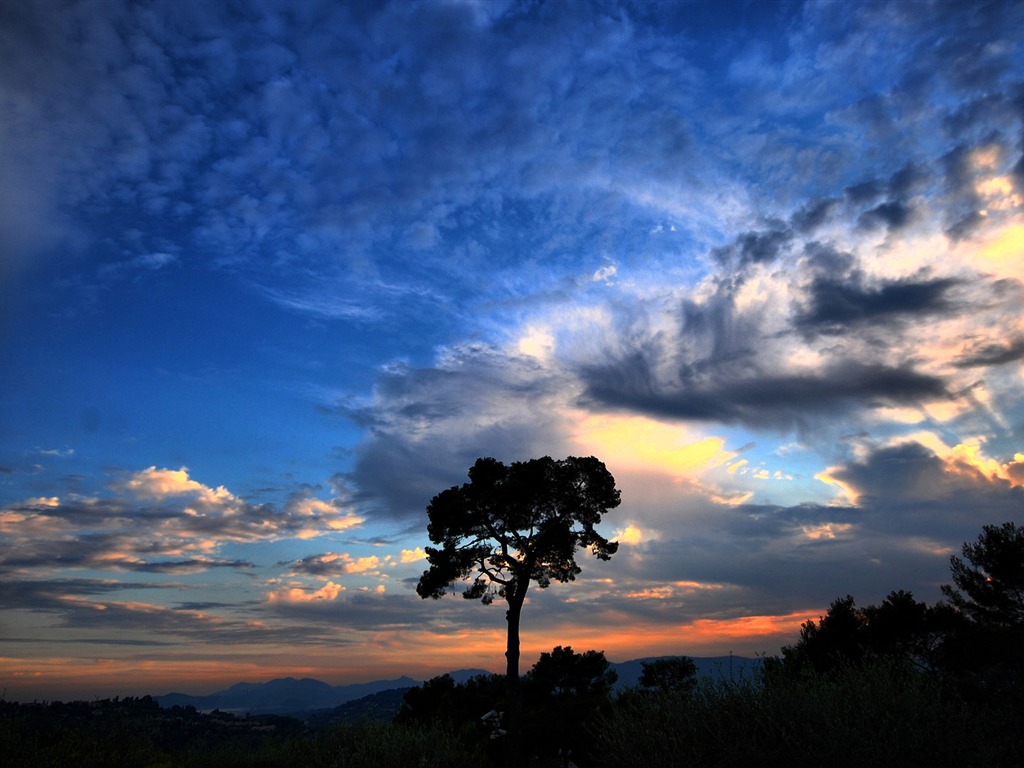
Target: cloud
992,353
769,400
428,425
142,263
156,484
892,214
837,303
179,526
755,247
332,564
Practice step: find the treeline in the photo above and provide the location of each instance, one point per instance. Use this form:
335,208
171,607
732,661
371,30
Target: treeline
899,683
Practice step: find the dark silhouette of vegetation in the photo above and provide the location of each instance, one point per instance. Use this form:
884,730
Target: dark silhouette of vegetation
675,675
564,693
986,648
510,526
901,628
988,583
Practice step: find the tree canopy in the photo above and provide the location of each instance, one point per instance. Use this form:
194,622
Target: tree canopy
519,523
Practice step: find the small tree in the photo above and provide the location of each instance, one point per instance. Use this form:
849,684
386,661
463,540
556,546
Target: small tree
513,525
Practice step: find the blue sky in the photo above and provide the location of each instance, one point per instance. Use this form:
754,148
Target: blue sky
274,274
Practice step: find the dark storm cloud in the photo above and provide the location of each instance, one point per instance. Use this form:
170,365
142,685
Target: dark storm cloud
768,400
913,509
835,304
813,214
907,181
755,247
864,192
188,566
27,593
724,362
908,486
892,214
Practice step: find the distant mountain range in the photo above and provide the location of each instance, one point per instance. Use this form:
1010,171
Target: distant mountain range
380,699
289,696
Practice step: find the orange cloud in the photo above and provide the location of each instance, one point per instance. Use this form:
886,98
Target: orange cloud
328,591
413,555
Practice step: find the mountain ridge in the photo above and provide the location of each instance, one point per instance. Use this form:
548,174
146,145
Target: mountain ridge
302,696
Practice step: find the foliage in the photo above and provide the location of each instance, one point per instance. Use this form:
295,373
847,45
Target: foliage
514,524
988,583
984,650
900,628
565,692
675,675
565,674
459,708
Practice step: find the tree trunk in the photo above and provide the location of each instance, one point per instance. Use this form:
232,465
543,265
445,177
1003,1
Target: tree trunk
515,694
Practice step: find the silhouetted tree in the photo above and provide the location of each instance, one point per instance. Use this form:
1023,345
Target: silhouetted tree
676,675
900,629
985,647
988,583
565,673
513,525
835,639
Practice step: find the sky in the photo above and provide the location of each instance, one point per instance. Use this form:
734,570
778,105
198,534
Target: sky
274,274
